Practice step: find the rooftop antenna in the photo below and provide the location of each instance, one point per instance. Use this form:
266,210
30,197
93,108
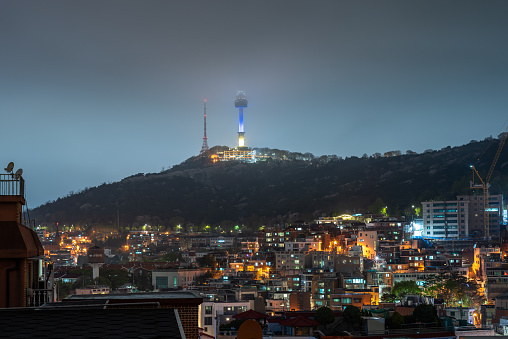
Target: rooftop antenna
9,167
18,173
204,148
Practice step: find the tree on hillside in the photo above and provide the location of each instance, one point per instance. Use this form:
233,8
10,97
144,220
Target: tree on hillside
102,281
142,280
82,282
353,315
426,314
176,223
455,289
378,206
203,278
403,288
395,320
388,298
63,289
206,261
324,316
171,257
117,277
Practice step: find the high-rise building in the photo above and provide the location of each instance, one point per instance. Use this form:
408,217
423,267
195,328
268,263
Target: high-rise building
462,218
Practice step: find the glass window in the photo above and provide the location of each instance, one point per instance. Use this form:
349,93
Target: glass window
161,282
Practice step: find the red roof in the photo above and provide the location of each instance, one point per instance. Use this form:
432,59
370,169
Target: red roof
250,314
299,322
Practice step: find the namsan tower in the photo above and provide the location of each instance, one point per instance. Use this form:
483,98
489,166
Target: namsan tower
241,103
204,148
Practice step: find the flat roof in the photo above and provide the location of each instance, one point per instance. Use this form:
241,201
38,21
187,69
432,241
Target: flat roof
176,295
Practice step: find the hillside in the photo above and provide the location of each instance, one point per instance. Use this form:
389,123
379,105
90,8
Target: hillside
199,193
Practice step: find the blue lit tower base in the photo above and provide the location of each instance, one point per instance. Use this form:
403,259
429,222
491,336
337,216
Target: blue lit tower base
241,103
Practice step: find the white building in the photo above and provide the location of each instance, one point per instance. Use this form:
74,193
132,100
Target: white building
212,314
461,313
461,218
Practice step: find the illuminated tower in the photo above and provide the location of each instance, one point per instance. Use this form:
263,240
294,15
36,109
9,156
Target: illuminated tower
204,148
241,103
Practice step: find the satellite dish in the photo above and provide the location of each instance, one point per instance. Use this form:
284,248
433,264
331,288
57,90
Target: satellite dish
18,173
9,167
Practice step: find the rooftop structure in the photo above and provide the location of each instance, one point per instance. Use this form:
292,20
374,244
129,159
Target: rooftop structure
185,302
87,321
27,278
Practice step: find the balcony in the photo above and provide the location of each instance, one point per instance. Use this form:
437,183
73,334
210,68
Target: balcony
39,297
10,185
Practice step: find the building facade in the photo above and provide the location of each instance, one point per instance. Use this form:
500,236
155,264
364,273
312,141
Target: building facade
462,218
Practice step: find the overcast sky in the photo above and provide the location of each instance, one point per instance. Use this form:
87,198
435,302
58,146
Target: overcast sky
95,91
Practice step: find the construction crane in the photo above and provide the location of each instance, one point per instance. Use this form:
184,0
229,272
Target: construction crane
484,184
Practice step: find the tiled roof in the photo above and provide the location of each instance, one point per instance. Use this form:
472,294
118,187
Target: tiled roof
299,322
90,323
18,241
250,314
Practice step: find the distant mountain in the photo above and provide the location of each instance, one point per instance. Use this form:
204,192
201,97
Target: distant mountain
199,193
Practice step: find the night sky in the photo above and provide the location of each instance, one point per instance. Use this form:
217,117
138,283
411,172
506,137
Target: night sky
95,91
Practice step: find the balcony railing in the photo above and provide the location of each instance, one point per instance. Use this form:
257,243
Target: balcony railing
39,297
10,185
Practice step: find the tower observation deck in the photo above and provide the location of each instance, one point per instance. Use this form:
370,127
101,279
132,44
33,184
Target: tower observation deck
241,103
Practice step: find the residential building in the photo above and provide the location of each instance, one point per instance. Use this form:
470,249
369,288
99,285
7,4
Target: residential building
212,314
176,279
368,239
462,218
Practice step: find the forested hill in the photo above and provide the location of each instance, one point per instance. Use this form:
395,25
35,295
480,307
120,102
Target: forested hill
199,193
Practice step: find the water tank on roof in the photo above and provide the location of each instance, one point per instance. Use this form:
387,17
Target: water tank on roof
95,255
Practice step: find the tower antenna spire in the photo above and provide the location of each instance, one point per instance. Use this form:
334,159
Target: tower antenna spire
204,148
241,103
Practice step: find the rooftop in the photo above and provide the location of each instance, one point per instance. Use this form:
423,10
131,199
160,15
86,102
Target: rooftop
176,296
91,323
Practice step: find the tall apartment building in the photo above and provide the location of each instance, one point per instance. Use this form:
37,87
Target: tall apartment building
369,242
461,218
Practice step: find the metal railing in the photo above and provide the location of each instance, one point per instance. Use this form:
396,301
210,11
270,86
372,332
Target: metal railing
10,185
39,297
408,330
29,223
